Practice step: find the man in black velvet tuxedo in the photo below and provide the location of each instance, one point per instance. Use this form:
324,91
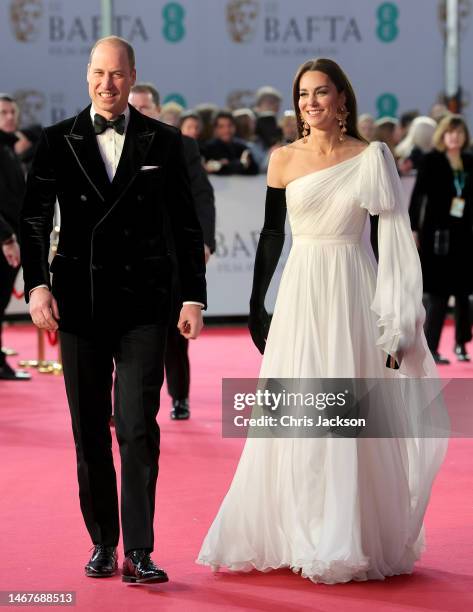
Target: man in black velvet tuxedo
126,215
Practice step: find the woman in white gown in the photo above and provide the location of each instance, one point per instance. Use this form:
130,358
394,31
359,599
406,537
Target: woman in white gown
334,510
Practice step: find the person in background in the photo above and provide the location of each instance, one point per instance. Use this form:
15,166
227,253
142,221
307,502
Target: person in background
387,131
441,214
288,125
171,113
366,127
12,188
207,113
245,130
405,122
267,107
267,100
190,125
438,111
225,154
417,142
146,98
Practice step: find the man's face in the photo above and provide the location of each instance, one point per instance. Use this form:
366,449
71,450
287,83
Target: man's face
8,116
269,104
143,102
110,79
224,130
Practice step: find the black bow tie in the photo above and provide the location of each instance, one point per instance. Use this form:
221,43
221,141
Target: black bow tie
101,124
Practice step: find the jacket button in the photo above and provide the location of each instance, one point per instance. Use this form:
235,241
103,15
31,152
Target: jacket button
128,268
140,198
96,267
83,198
126,233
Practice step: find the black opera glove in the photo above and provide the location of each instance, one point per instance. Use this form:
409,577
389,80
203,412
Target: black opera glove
269,249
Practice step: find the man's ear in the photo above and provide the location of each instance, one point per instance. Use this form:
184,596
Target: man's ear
133,76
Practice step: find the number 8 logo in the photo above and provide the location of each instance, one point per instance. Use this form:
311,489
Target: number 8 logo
387,15
173,15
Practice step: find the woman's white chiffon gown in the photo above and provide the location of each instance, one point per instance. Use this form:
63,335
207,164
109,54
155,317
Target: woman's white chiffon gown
337,510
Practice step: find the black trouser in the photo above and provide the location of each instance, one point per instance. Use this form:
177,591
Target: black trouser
436,313
177,365
137,355
7,282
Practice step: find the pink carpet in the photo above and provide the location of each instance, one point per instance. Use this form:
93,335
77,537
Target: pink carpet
44,545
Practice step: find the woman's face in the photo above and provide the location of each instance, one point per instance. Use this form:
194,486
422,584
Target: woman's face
191,128
319,100
454,138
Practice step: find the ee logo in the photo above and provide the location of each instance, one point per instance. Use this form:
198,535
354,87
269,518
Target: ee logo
176,97
173,17
387,105
387,15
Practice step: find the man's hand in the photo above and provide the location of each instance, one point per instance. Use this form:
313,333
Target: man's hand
207,253
11,250
22,144
190,321
43,309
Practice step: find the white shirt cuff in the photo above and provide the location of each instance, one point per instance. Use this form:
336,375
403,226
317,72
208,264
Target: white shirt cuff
195,304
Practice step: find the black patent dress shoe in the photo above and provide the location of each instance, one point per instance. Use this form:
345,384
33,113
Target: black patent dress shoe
460,352
8,373
103,562
180,410
138,568
439,360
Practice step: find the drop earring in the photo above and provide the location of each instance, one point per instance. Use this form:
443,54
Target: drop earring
342,122
305,130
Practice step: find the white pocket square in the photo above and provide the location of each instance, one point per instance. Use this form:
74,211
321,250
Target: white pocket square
149,167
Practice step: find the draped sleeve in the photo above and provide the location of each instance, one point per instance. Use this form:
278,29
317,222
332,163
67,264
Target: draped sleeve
398,296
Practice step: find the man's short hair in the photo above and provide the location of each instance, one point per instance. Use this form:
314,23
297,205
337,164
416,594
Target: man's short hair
147,88
223,114
7,98
119,42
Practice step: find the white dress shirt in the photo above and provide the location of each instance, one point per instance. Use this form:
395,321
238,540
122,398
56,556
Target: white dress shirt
110,145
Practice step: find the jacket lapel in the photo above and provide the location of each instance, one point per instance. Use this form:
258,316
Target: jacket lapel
83,144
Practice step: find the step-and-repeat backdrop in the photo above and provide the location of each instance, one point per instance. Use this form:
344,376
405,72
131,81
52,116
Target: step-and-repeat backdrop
222,51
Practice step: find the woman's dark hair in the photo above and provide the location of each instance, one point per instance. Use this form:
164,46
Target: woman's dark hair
341,82
448,123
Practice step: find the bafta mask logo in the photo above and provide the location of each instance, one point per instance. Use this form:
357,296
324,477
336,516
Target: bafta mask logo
464,15
31,103
242,19
240,98
25,19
